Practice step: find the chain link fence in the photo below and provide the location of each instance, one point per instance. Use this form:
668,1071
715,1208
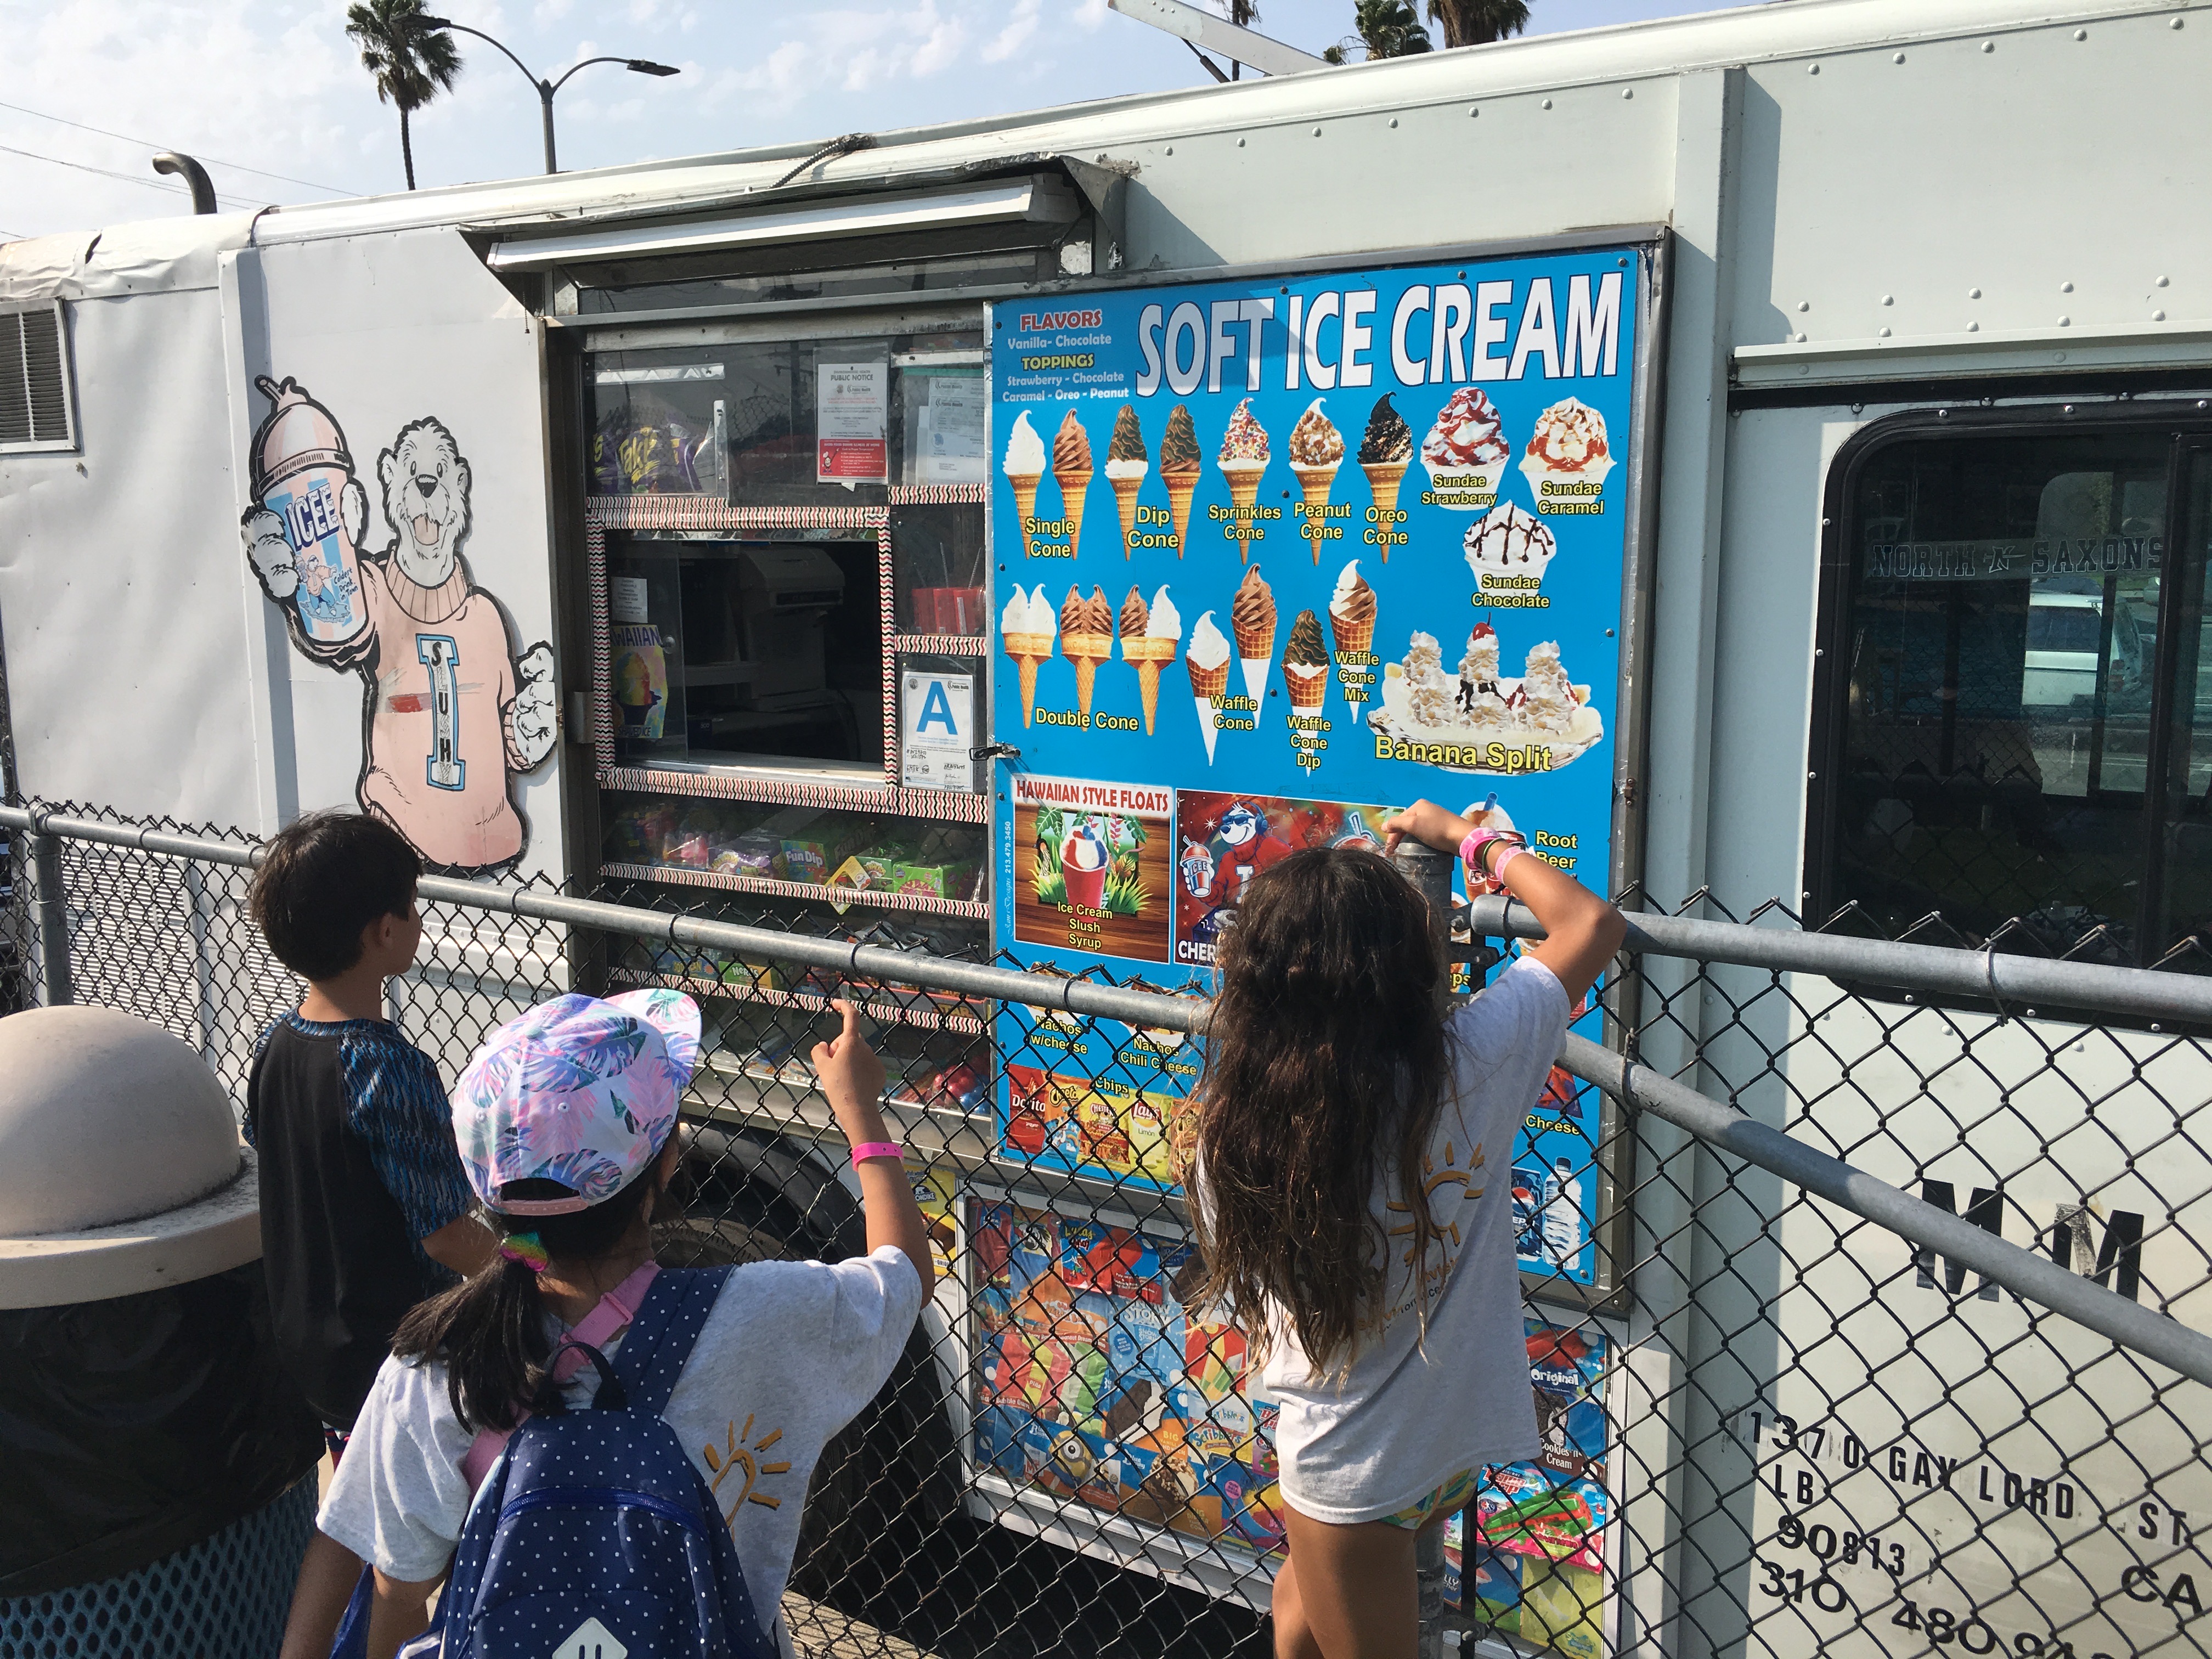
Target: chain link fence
1867,1323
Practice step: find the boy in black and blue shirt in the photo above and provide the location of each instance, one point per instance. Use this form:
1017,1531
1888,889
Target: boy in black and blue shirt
365,1208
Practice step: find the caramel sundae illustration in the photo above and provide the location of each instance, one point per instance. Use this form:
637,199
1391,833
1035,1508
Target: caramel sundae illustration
1252,620
1071,469
1316,451
1305,665
1384,453
1126,463
1488,723
1149,635
1024,465
1351,616
1208,663
1466,451
1242,458
1567,457
1087,639
1027,625
1180,464
1509,540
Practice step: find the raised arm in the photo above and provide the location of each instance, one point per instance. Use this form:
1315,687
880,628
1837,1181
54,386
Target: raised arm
852,1078
1583,932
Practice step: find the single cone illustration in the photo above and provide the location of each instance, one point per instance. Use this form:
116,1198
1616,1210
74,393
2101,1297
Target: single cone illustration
1087,652
1125,498
1181,487
1025,488
1150,655
1313,484
1383,479
1028,650
1074,484
1207,684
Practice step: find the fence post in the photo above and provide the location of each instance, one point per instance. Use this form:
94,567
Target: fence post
1430,872
1429,1576
53,910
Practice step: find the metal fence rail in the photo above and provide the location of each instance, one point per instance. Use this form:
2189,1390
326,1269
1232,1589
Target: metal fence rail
1894,1344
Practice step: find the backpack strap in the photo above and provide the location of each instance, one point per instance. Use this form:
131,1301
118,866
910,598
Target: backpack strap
614,1311
662,1334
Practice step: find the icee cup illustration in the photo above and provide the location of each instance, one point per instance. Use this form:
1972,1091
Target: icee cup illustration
303,535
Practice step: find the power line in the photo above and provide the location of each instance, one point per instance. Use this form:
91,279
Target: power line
110,172
236,167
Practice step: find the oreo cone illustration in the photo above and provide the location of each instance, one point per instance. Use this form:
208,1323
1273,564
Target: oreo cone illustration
1126,463
1149,634
1027,625
1180,464
1385,451
1024,465
1316,452
1071,469
1242,459
1087,639
1252,620
1208,663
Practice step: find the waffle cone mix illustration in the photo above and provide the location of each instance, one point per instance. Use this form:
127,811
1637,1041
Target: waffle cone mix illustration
1087,652
1028,650
1351,638
1313,484
1181,487
1074,485
1125,498
1025,488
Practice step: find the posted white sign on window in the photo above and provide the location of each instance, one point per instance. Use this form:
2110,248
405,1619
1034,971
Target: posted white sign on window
937,724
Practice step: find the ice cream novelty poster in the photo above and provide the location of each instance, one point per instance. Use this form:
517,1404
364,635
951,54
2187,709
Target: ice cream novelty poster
1274,558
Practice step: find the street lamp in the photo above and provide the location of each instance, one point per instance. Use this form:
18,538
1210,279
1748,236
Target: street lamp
547,88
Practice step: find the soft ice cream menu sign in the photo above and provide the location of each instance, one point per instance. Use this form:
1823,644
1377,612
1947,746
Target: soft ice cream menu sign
1276,557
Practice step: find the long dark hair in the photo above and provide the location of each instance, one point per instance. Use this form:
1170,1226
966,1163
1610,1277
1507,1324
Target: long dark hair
490,1331
1326,1057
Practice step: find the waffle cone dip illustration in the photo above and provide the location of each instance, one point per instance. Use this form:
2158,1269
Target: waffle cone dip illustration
1316,452
1024,465
1305,665
1252,620
1028,642
1180,464
1149,637
1126,463
1087,639
1071,469
1385,450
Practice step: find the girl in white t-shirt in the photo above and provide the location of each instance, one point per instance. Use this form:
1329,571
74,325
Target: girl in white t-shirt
567,1125
1355,1151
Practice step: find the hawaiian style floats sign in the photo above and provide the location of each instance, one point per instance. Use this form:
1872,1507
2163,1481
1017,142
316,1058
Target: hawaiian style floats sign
1278,558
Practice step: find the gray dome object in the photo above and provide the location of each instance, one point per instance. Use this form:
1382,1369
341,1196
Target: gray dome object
120,1166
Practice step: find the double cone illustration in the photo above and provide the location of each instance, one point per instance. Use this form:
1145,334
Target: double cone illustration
1087,652
1150,655
1028,650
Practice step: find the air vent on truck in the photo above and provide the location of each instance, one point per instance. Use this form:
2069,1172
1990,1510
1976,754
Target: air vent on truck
34,411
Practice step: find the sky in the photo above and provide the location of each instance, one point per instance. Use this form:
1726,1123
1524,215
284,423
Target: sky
272,100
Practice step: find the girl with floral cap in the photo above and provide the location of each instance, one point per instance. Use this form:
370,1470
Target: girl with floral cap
567,1124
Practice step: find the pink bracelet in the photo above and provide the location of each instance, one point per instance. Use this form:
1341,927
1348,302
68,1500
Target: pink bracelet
868,1149
1497,870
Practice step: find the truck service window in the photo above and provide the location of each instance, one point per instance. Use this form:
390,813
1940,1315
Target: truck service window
2000,680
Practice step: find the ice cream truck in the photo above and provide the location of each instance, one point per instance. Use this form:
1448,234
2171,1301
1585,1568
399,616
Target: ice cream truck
1745,452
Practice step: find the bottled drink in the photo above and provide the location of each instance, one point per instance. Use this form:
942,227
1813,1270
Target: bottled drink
1563,1215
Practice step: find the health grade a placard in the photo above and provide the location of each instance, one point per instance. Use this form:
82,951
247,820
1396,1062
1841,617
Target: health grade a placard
1357,537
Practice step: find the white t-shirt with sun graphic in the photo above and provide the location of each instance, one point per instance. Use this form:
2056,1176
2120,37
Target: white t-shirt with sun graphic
790,1352
1420,1405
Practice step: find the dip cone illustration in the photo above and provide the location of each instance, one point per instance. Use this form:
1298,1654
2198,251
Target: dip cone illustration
1252,619
1305,665
1384,453
1242,459
1126,463
1179,463
1148,636
1024,465
1071,469
1027,626
1208,663
1087,639
1316,452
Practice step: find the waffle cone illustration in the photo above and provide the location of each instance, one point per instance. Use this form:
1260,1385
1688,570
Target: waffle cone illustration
1352,639
1313,484
1028,650
1125,498
1207,684
1150,655
1074,484
1182,486
1383,479
1025,488
1087,652
1307,694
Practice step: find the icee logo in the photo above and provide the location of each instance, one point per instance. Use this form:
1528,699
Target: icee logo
590,1640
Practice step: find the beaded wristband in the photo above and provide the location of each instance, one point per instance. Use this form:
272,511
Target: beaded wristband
868,1149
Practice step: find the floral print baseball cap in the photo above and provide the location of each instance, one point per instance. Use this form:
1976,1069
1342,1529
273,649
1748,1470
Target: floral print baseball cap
578,1090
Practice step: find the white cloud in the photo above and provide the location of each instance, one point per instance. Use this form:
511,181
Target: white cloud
1017,33
1090,13
550,11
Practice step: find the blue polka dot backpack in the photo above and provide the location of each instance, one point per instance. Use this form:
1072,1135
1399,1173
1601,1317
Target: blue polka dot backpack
594,1536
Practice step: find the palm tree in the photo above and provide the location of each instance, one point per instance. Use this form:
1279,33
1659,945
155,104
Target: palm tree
1243,14
1477,22
411,65
1387,29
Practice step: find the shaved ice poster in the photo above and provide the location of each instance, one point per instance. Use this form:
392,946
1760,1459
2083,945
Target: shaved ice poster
1314,549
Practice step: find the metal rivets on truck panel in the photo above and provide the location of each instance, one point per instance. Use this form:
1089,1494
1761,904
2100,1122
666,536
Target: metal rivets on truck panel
1547,103
1811,69
2161,282
1898,58
1889,299
1804,305
2066,288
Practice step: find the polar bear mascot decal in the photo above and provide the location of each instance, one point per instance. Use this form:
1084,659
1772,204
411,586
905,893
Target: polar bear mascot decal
449,710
